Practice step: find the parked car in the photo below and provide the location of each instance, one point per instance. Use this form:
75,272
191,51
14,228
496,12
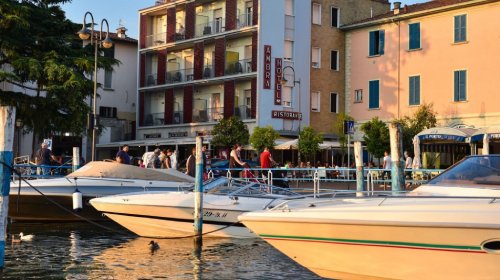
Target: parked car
220,167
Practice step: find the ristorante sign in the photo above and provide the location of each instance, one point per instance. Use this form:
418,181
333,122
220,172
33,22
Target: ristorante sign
286,115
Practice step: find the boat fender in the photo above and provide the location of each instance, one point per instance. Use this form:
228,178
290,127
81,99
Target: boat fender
77,200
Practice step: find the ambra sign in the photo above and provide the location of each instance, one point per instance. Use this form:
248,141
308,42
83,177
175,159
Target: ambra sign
267,66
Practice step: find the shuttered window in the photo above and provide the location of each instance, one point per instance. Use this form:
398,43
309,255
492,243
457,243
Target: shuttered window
334,103
335,17
460,28
373,94
460,85
334,60
414,30
377,42
315,101
414,90
316,13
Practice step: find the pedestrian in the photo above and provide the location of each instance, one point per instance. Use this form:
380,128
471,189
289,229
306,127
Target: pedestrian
191,163
386,166
140,163
122,155
167,161
173,159
235,161
266,162
42,158
408,165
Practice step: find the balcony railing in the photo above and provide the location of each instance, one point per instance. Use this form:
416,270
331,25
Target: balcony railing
154,119
211,27
178,117
243,112
208,71
179,76
156,39
208,114
151,80
245,20
239,67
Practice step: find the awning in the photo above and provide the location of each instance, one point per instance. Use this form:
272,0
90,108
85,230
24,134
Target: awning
492,132
155,142
294,145
448,134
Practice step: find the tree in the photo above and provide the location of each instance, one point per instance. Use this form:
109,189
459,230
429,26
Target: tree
376,137
338,129
309,141
423,118
263,137
229,132
43,59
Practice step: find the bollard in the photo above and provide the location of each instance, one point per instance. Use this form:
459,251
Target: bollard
76,158
7,120
358,157
198,190
397,174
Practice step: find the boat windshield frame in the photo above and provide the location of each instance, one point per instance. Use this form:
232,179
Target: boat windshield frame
240,187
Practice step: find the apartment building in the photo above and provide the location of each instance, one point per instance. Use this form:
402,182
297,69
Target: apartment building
202,61
327,56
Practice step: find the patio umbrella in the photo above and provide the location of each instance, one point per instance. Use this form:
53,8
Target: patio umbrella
416,148
486,144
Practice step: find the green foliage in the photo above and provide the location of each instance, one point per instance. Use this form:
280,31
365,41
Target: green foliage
309,141
229,132
263,137
423,118
338,129
43,58
376,137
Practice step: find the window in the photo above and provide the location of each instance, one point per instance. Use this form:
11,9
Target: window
335,14
414,90
334,60
460,28
414,30
460,85
377,39
334,103
288,50
316,57
373,94
358,96
108,74
107,112
316,13
315,101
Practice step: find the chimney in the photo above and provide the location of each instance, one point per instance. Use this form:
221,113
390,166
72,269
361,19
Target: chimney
397,6
120,32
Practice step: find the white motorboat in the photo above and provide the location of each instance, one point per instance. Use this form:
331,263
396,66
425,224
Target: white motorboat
94,179
167,214
446,229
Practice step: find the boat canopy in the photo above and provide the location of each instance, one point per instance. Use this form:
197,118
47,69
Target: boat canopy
103,169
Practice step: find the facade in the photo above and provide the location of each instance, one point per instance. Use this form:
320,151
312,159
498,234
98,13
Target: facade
201,61
116,98
439,52
327,56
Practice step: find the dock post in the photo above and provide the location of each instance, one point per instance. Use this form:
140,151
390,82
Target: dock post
198,190
76,158
7,122
397,172
358,157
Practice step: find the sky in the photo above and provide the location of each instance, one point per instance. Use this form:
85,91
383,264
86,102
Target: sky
125,12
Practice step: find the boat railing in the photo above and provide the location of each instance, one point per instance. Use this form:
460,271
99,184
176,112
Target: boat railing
33,171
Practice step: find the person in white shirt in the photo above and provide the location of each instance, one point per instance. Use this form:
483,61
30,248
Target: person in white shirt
387,165
408,165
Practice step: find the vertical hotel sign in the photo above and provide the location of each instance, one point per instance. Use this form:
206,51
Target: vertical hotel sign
267,67
278,72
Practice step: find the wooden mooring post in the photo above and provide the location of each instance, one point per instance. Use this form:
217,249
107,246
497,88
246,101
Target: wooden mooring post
397,171
198,191
7,123
358,157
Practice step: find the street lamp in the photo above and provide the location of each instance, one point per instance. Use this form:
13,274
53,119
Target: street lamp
19,126
85,34
284,81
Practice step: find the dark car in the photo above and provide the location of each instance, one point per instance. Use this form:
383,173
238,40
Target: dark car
220,167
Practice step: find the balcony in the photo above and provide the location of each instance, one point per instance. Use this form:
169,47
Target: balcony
179,76
244,20
156,39
239,67
151,80
210,28
154,119
208,115
243,112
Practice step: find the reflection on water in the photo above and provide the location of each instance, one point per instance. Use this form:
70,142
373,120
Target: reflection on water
80,251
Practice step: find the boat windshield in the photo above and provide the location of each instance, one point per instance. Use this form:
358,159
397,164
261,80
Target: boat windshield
474,171
223,186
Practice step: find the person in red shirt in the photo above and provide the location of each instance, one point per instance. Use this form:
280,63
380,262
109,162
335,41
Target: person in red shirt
266,161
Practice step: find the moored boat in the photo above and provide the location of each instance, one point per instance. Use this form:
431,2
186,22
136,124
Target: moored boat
447,229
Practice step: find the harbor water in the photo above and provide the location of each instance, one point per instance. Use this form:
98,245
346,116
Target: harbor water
84,251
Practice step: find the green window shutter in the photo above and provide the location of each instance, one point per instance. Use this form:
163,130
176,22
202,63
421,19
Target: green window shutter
373,95
381,42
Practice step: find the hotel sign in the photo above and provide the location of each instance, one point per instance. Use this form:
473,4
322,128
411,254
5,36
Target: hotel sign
152,136
278,72
177,134
286,115
267,67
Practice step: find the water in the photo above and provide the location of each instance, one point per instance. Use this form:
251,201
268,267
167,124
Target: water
83,251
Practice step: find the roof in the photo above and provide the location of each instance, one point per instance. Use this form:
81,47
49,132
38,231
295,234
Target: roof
416,10
115,38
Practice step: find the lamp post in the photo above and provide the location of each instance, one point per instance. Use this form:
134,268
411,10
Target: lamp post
85,34
284,81
19,126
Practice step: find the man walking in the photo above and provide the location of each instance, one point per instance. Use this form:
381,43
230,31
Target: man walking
122,155
266,161
43,157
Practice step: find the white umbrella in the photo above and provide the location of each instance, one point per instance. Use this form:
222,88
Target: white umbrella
486,144
292,144
416,149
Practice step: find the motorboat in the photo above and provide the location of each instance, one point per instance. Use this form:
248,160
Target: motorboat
95,179
170,213
446,229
